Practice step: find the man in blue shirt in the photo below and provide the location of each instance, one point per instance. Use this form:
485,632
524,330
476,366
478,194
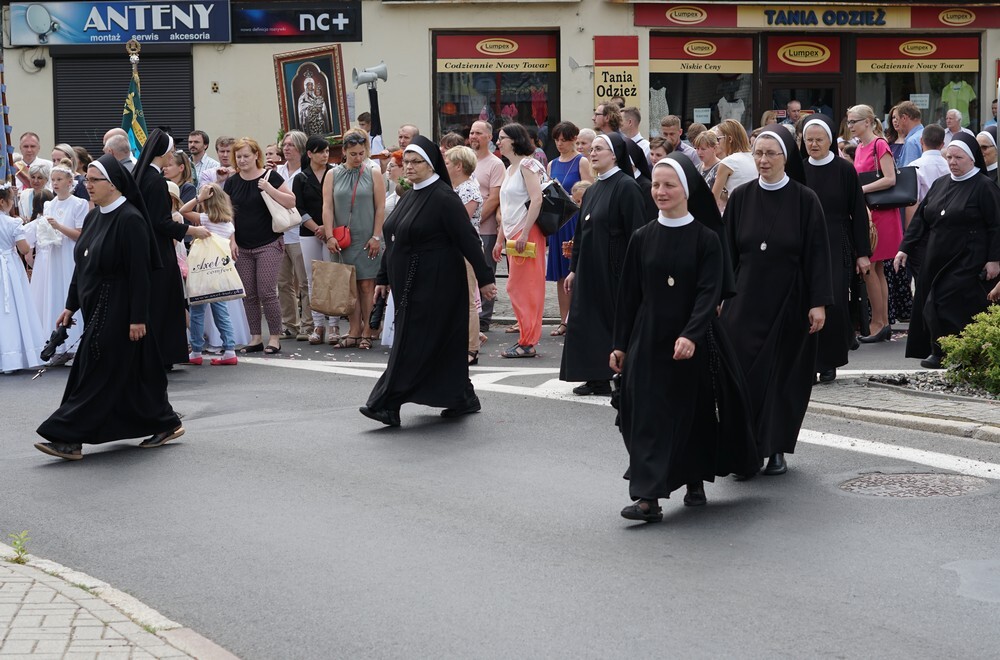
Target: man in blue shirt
909,122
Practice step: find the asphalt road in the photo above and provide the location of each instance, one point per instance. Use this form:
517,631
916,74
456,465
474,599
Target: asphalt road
286,525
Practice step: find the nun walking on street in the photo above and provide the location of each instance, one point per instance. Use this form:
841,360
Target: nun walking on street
612,209
685,416
781,257
428,239
836,184
960,220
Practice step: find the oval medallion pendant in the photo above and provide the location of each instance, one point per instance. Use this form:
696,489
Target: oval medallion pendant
86,252
763,246
670,281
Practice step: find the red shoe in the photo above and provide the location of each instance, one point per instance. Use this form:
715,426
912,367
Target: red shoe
195,361
224,361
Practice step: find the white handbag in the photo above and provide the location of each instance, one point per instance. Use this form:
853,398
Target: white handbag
282,219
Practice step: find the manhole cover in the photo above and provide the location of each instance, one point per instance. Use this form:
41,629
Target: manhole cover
913,485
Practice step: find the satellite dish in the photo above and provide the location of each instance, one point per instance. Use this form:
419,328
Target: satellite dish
40,22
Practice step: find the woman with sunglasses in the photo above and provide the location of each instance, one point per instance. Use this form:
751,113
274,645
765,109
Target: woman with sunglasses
354,197
427,237
781,258
177,168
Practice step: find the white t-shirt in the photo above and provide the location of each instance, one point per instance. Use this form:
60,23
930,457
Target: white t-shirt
292,236
220,229
743,167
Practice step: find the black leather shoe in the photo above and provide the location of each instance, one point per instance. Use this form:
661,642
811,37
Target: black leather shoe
60,450
932,362
885,334
855,344
828,376
387,417
474,407
776,465
599,387
695,495
651,513
163,438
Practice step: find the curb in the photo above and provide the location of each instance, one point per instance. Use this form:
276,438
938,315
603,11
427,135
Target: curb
963,429
172,633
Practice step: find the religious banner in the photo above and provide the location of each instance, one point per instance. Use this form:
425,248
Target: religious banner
469,53
616,69
312,94
809,16
918,55
803,55
709,54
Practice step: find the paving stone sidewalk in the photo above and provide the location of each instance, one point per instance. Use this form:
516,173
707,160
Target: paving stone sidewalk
895,406
44,616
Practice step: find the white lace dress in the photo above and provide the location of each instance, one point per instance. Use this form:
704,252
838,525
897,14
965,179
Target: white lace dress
21,335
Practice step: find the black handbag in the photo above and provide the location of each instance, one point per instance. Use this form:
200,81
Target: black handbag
557,207
903,194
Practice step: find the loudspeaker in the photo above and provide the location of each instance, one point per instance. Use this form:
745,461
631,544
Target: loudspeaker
370,75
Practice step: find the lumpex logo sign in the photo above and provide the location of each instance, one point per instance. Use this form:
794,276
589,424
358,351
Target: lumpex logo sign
299,21
76,23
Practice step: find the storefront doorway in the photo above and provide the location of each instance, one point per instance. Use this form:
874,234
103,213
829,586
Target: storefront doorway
816,95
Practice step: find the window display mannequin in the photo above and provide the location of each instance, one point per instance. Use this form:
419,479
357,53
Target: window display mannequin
957,95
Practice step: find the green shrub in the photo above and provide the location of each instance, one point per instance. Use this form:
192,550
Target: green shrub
973,356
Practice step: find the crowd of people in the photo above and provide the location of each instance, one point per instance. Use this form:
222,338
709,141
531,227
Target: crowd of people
715,279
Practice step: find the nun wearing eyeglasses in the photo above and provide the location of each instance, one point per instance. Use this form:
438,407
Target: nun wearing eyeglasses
960,220
428,239
117,388
684,412
836,184
167,318
781,257
987,139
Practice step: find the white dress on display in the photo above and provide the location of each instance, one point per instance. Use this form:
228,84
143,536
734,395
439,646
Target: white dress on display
21,335
54,264
658,109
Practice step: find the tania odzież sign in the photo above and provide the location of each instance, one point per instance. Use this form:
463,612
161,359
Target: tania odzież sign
616,69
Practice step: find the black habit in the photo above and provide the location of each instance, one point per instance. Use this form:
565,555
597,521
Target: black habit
612,210
167,319
428,238
768,319
117,388
960,223
837,186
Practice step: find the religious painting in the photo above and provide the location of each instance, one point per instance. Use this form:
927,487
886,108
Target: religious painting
312,95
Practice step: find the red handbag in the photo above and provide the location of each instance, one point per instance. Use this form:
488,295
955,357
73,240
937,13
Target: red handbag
343,236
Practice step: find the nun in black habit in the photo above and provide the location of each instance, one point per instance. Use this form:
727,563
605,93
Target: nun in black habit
781,258
117,388
836,184
644,177
685,416
960,219
612,209
167,317
428,239
987,139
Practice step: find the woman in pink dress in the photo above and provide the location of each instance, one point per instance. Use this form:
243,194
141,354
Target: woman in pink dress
862,124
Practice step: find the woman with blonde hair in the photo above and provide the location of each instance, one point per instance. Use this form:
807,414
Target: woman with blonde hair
706,144
871,148
769,117
737,167
178,169
461,163
354,197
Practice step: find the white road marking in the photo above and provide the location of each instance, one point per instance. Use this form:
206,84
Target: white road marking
487,379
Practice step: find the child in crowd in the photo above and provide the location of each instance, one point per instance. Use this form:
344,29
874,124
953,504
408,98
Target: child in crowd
53,234
21,335
217,217
272,156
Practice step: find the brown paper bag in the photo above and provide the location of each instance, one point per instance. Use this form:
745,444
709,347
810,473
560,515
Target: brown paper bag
335,288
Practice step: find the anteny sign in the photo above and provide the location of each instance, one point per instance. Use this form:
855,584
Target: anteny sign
58,23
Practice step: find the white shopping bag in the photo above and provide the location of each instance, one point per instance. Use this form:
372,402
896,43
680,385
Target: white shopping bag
212,275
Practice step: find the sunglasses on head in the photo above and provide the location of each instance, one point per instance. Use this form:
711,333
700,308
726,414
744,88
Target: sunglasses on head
354,140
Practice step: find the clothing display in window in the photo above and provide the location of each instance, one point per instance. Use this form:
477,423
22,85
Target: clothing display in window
658,108
958,94
731,109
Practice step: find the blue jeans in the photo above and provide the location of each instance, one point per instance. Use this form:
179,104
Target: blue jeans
220,313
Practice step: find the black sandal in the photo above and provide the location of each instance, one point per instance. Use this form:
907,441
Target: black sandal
473,358
271,350
652,512
252,348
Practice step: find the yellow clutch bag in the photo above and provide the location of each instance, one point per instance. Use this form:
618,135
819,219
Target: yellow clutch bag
529,250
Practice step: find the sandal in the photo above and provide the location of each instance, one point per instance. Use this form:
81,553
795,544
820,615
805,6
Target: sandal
559,331
483,338
271,350
347,342
473,358
650,513
518,351
512,329
317,335
252,348
333,335
365,344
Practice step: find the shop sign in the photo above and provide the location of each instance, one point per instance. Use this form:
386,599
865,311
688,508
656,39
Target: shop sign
297,21
812,55
616,69
799,16
726,55
902,55
100,23
459,53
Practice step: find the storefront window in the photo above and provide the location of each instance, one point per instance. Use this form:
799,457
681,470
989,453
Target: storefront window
703,80
496,77
937,74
